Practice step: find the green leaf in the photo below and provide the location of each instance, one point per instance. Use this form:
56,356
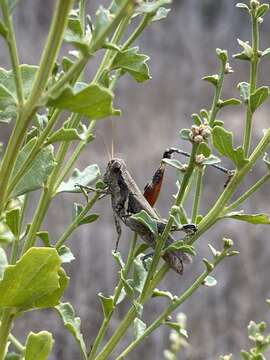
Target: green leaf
139,275
214,252
211,160
229,102
86,177
74,33
181,246
144,218
13,220
39,346
151,7
178,328
39,170
185,134
250,218
245,355
223,142
93,101
132,62
173,163
210,281
103,19
65,254
7,105
222,55
89,219
258,97
213,79
244,91
107,305
53,298
139,328
247,49
161,293
197,120
28,73
32,281
265,52
262,10
241,56
44,237
3,262
161,14
6,236
218,123
64,135
243,6
73,324
204,149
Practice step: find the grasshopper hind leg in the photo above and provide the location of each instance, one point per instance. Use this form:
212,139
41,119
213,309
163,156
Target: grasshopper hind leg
118,230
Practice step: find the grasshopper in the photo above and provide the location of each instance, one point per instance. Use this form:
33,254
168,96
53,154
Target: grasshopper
127,200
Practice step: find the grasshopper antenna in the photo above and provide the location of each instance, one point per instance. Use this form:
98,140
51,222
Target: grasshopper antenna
112,135
109,155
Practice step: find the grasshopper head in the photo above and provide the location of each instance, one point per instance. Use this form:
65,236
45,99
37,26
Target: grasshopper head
114,168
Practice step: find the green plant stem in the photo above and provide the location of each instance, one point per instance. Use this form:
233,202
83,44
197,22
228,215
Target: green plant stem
75,223
6,325
47,62
35,150
137,32
106,321
218,207
253,82
16,242
172,307
215,108
130,317
80,147
39,216
198,193
16,343
11,42
248,193
110,54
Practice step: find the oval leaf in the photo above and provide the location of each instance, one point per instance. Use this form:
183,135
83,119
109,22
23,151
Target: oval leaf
33,278
93,101
73,324
86,177
223,142
38,346
258,97
210,281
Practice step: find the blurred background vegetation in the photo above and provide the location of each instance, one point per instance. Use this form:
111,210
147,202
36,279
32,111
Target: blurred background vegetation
182,51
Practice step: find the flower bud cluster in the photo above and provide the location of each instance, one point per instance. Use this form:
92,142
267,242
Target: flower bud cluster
199,159
200,133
